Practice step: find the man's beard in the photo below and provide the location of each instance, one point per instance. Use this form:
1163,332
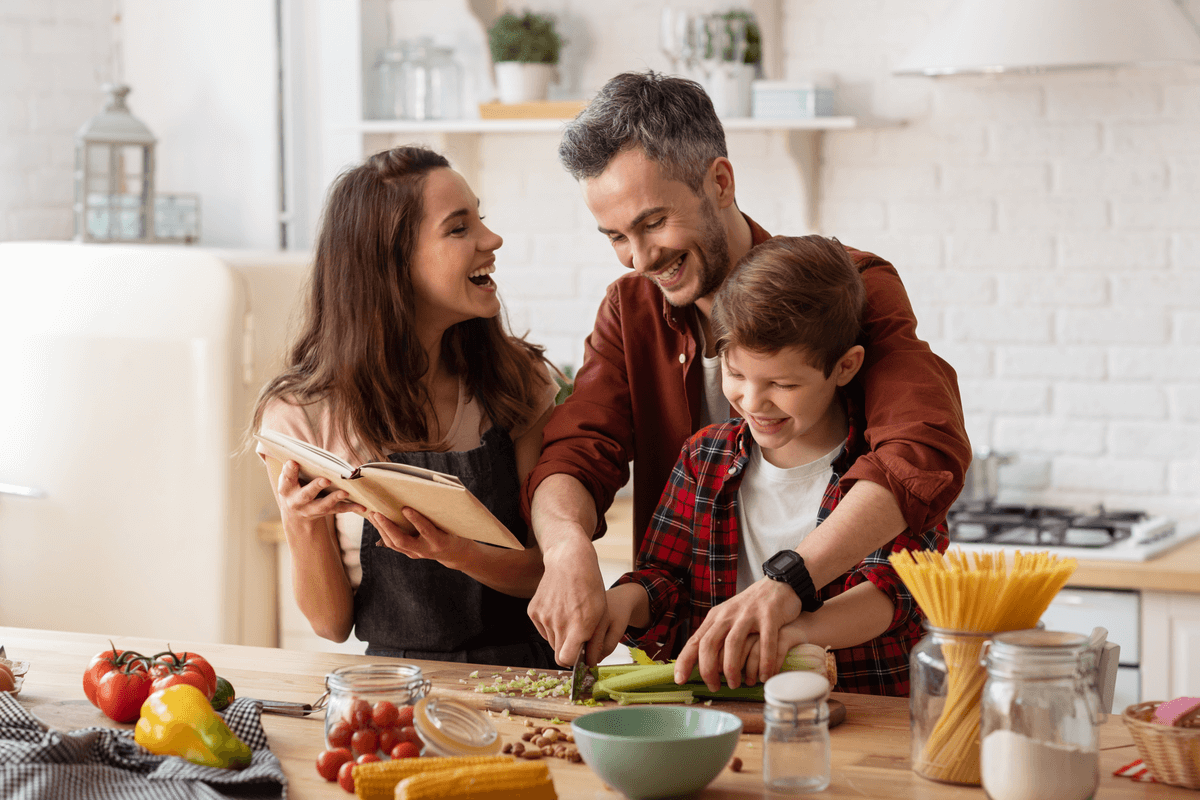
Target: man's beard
713,263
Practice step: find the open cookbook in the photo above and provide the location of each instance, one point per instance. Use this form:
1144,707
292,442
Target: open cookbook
385,488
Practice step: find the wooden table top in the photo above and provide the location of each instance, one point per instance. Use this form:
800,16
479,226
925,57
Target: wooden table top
870,749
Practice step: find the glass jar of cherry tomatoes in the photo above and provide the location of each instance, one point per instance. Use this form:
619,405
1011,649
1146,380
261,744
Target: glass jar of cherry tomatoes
370,707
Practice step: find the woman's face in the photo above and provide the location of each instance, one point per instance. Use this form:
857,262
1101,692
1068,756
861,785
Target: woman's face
454,256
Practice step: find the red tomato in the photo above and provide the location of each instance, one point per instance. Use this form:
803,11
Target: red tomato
364,741
367,758
330,761
409,734
405,750
405,716
105,662
359,714
121,693
7,681
346,776
189,677
389,738
384,714
171,668
339,734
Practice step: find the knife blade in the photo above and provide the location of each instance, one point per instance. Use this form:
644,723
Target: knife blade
583,677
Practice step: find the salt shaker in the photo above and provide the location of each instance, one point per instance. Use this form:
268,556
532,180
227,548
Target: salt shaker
1041,712
796,750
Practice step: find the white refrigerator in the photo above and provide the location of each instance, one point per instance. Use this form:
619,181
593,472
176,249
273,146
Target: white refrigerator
127,377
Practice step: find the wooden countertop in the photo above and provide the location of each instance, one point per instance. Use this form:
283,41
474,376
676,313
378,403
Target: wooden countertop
870,749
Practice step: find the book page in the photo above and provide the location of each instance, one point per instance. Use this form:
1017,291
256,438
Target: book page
303,452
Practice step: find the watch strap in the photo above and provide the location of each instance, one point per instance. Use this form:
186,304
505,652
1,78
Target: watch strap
800,580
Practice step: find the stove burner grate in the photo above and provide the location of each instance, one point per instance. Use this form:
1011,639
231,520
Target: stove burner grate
1040,526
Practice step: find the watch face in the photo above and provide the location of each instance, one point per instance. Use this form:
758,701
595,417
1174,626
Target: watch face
782,561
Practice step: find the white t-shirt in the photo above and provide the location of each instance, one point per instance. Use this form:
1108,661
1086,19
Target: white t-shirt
777,508
714,407
313,424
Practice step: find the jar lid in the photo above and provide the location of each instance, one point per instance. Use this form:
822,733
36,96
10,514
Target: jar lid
1037,652
403,683
799,686
1033,638
454,728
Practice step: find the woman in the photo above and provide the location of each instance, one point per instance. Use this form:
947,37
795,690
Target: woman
403,356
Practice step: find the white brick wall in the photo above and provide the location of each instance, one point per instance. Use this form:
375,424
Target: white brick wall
54,56
1069,282
1046,226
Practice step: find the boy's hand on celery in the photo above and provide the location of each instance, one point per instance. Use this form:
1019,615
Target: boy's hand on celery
790,635
719,645
628,604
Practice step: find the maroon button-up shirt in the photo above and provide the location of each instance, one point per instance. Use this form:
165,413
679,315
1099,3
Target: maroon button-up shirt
637,399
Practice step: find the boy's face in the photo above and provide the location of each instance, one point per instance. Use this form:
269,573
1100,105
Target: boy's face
659,227
789,403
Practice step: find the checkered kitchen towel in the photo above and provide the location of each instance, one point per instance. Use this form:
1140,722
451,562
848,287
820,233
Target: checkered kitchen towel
105,763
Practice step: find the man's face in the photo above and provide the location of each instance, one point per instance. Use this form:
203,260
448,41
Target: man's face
659,227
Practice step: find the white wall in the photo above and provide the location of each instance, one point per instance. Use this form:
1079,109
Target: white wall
54,55
1048,230
203,80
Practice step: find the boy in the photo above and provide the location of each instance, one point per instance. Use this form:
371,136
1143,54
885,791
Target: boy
786,322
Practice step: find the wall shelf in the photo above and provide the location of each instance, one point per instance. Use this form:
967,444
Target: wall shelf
556,125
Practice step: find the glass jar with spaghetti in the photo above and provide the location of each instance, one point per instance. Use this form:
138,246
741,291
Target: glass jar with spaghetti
1041,716
946,685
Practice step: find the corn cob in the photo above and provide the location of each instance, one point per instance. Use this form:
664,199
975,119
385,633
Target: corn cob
528,780
377,780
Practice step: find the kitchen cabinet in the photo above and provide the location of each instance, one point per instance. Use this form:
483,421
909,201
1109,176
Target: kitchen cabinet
1170,644
330,48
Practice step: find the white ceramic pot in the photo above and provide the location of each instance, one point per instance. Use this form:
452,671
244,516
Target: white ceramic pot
729,89
519,82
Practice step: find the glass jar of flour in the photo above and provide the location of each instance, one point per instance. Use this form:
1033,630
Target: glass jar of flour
1041,711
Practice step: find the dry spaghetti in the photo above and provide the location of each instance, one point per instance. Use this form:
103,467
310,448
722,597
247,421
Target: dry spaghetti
971,599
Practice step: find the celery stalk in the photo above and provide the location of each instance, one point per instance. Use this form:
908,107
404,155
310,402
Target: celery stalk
627,698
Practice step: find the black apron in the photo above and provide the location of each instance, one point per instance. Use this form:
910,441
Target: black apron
417,608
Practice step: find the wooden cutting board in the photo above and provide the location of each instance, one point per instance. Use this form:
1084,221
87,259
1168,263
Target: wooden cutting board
452,681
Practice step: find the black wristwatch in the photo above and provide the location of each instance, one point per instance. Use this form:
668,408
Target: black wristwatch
787,566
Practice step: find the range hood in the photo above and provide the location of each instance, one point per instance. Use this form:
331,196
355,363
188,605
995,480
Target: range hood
994,36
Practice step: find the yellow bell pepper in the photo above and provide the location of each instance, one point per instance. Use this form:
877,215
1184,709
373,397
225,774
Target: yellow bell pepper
179,721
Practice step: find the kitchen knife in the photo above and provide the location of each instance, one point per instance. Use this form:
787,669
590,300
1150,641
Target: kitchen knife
583,677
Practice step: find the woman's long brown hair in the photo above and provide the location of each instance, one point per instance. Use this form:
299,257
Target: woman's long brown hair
358,349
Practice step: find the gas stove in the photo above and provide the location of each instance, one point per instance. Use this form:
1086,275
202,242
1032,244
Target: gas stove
1099,534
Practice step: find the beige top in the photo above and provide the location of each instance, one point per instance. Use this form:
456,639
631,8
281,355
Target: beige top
313,423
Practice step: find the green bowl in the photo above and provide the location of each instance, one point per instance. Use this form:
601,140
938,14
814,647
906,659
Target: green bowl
656,751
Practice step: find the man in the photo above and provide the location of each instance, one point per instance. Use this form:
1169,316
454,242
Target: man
649,154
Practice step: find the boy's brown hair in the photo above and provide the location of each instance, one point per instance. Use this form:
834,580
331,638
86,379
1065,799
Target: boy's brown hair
792,291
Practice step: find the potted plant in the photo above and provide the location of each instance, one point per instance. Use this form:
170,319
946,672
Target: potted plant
525,51
729,84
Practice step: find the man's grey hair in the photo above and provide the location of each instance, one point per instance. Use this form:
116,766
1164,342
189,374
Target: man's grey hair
671,119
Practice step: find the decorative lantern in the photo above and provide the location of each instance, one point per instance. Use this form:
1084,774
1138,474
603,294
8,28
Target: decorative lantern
114,175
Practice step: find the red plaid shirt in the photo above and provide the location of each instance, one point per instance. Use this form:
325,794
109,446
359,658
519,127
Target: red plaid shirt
688,561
